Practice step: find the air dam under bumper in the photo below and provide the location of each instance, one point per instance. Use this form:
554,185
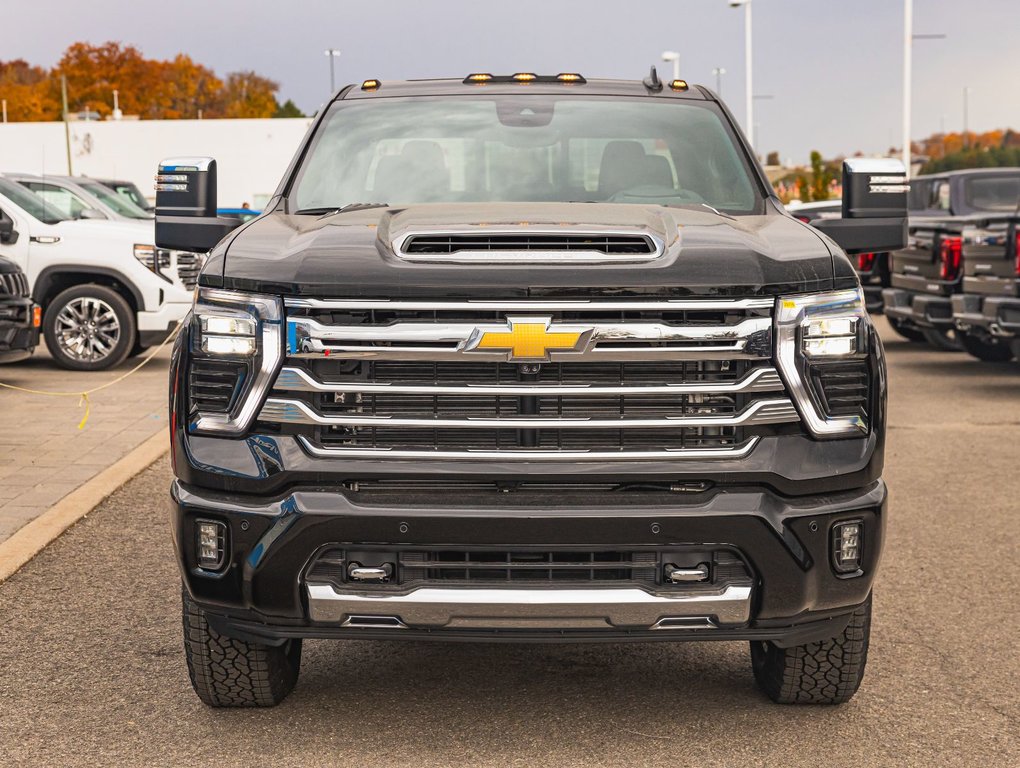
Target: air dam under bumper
263,591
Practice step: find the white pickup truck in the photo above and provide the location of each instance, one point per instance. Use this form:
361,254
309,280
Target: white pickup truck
105,290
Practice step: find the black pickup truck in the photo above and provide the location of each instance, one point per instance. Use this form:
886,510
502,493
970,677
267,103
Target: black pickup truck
533,359
929,271
19,315
988,308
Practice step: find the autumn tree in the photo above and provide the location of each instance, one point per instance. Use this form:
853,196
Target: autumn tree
94,72
247,94
187,90
26,89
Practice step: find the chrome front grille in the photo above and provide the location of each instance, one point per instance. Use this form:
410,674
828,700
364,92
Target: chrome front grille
14,284
188,267
621,379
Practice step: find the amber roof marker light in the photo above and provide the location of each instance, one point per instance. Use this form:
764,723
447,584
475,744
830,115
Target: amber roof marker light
370,85
479,78
679,85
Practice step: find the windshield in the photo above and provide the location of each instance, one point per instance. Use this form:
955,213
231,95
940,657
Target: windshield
529,148
129,192
32,204
116,202
998,192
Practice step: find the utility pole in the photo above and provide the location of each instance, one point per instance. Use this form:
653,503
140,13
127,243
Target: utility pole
4,102
332,53
67,125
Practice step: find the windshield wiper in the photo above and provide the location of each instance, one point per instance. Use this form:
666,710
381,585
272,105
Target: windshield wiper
329,211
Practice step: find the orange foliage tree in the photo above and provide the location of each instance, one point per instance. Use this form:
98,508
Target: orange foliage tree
153,89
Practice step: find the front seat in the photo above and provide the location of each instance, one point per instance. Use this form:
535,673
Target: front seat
621,168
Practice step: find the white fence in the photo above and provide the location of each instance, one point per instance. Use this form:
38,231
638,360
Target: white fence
251,155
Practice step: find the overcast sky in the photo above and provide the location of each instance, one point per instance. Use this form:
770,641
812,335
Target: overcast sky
832,67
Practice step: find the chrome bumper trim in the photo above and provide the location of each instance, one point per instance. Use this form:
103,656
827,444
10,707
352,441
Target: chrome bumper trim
551,609
772,411
526,454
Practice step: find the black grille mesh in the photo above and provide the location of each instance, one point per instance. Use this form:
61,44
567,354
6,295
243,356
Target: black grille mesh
214,384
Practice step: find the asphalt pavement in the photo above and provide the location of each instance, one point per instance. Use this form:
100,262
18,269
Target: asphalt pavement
92,669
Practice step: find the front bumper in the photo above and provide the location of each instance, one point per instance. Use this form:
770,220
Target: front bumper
19,333
920,309
793,594
995,315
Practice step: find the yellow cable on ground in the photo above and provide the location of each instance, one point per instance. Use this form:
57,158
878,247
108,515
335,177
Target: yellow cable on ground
83,396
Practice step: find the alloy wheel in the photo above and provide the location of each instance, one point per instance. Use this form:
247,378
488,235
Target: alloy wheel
87,329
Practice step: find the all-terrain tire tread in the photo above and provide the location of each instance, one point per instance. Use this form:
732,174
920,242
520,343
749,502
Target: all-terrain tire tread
826,672
227,672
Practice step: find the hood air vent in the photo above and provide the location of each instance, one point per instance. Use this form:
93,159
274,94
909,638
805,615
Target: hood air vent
528,247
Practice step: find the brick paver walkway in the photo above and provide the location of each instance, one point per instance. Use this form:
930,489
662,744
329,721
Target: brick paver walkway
43,454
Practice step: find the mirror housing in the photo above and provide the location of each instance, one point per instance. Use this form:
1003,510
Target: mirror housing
186,217
874,207
8,234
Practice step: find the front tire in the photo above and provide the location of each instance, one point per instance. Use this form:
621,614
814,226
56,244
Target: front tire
226,672
89,328
906,331
827,672
989,350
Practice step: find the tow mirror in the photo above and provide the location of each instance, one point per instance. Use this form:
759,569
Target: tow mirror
8,234
874,207
186,217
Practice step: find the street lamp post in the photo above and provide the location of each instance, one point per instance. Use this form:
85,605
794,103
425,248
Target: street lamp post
908,54
754,134
673,56
966,116
332,53
749,124
718,72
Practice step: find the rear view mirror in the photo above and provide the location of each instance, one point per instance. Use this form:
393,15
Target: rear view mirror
874,207
186,217
8,234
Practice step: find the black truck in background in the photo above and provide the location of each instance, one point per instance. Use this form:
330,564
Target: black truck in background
988,307
947,212
19,315
527,358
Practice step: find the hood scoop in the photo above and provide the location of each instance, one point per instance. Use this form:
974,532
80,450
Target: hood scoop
512,234
528,246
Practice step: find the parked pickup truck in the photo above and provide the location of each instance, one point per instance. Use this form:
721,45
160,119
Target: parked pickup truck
988,308
19,315
105,290
527,358
927,273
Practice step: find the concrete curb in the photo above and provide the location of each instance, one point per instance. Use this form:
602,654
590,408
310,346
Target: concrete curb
35,536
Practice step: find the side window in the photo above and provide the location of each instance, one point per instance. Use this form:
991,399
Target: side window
940,196
58,198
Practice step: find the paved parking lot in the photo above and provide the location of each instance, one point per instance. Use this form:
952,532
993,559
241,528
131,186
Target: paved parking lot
43,454
93,673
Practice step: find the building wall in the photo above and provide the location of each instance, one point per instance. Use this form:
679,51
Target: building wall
251,155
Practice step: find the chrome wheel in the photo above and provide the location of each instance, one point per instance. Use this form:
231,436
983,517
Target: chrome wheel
87,329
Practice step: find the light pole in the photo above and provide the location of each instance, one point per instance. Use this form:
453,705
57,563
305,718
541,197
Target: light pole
673,56
749,124
759,97
718,72
908,53
966,117
332,53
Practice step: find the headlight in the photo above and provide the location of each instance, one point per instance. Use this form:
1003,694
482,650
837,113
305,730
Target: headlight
155,259
236,348
822,353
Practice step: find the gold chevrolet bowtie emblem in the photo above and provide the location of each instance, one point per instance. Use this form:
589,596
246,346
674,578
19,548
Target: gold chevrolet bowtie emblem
529,339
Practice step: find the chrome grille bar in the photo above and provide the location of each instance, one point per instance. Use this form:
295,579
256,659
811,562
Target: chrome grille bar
771,411
293,379
530,454
539,305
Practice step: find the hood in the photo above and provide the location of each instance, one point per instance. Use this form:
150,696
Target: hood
353,254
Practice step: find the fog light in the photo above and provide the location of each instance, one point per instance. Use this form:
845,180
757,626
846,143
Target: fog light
211,544
846,546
